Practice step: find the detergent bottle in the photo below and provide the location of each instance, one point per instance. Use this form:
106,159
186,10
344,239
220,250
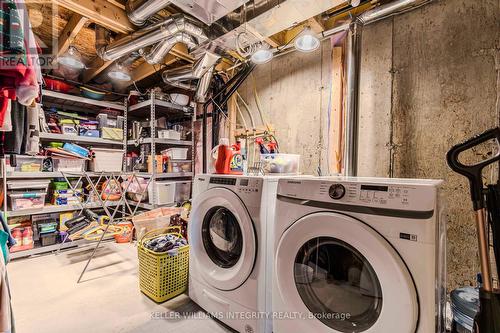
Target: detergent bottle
227,158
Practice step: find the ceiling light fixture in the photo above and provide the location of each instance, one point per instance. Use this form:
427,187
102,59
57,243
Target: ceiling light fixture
71,58
119,73
307,41
355,3
262,54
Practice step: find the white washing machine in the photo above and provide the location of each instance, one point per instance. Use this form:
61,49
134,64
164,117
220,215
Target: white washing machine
229,267
358,255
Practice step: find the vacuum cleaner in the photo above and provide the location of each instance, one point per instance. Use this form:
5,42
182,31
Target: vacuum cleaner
486,206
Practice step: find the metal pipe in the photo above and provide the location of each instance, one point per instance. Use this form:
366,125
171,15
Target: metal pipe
390,9
140,10
146,37
484,255
352,67
353,57
203,85
200,67
160,50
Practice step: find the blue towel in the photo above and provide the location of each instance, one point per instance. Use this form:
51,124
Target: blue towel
10,240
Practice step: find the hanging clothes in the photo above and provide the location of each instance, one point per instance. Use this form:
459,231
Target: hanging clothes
7,124
29,87
14,141
32,129
13,62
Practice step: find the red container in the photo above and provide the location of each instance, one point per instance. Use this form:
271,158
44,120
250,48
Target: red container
58,85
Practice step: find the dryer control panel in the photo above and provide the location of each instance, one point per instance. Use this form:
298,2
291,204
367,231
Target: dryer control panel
368,192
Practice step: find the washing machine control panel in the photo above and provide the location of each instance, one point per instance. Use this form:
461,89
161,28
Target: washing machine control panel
392,195
372,194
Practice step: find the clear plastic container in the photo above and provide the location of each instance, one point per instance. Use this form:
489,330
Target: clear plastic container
280,163
169,134
106,160
68,164
27,200
180,166
28,184
182,192
176,153
26,163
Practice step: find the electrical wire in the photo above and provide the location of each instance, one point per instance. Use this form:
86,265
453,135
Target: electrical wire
252,121
241,115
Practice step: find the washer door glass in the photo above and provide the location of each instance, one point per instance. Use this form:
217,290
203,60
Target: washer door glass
222,237
337,284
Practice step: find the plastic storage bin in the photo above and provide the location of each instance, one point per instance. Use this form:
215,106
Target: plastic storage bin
25,163
169,134
182,191
31,184
180,166
176,153
280,163
106,160
68,164
164,193
27,200
48,238
163,276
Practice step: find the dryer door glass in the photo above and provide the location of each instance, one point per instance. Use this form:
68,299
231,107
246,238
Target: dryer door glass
338,285
222,237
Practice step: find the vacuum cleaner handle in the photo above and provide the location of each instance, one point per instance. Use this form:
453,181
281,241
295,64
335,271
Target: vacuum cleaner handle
473,172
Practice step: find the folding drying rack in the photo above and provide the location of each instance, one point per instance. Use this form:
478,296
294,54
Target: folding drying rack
111,208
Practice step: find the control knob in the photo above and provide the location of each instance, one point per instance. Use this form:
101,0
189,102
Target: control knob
336,191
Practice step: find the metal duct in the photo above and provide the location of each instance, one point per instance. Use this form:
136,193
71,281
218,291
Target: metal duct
202,70
138,11
200,67
208,11
160,50
203,85
392,8
146,37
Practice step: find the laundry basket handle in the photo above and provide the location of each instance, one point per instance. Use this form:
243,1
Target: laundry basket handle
474,172
165,230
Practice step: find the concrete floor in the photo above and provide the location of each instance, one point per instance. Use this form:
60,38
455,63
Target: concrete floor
47,299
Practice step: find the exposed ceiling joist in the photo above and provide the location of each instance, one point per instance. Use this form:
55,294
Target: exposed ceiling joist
316,25
181,51
101,12
145,69
118,3
90,73
74,25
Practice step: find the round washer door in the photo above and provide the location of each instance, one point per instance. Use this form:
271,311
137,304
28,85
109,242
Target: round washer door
343,276
222,239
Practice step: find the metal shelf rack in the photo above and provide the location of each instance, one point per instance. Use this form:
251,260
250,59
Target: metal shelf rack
154,108
68,103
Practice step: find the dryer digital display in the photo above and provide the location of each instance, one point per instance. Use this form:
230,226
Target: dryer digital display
378,188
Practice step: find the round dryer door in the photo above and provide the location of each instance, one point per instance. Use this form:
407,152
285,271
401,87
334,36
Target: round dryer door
345,277
224,246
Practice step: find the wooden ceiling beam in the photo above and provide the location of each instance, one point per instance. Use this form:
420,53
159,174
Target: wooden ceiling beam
118,3
74,25
316,25
101,12
144,70
92,72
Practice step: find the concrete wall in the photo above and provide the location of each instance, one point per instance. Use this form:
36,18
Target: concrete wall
294,93
437,66
428,80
